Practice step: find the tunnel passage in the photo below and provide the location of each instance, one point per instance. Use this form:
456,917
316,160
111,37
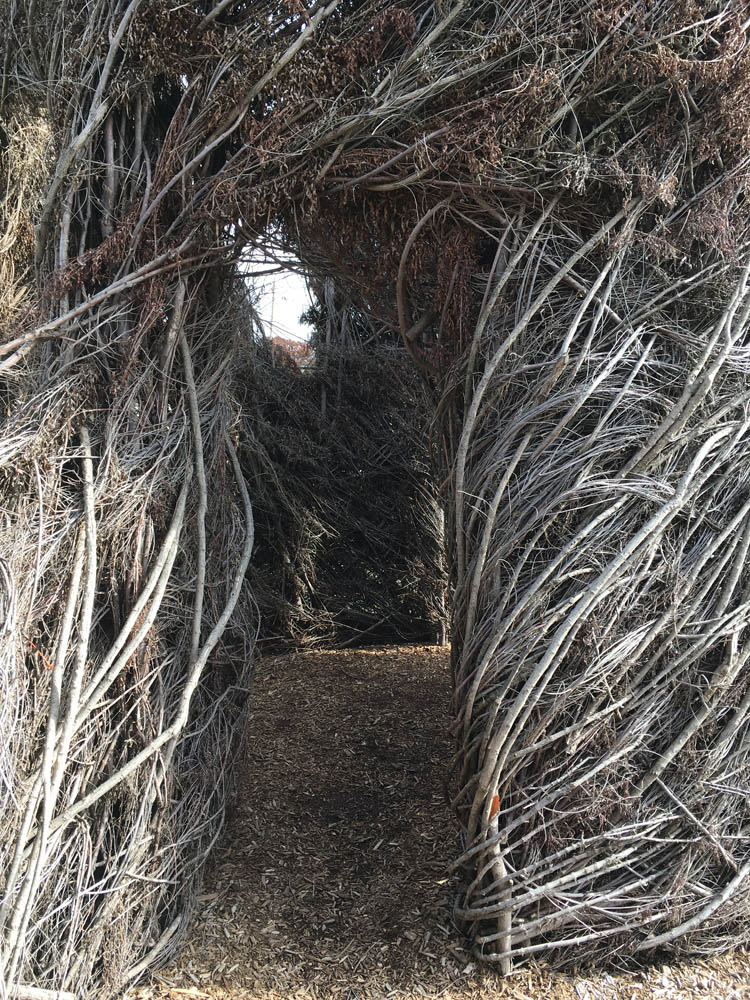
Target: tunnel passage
349,528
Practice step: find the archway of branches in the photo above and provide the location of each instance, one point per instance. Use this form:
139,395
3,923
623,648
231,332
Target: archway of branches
546,206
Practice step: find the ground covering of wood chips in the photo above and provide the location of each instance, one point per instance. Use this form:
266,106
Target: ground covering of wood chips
332,883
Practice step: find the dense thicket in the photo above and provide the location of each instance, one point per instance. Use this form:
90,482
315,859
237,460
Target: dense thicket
548,204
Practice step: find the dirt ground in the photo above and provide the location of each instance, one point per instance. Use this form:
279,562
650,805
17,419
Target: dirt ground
333,882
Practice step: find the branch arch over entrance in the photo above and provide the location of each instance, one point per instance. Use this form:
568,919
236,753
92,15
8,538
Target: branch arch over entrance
547,204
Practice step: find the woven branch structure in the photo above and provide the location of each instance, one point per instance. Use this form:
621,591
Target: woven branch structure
547,204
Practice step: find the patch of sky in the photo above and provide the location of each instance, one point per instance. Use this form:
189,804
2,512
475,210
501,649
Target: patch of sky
281,295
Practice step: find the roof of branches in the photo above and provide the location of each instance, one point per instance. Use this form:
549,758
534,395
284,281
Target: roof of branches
382,140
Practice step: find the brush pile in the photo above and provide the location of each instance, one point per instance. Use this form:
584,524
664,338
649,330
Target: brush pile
548,204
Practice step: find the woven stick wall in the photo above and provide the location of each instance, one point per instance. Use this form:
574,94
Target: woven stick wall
548,203
601,531
125,705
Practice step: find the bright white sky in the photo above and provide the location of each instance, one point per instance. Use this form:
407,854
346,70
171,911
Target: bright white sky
282,300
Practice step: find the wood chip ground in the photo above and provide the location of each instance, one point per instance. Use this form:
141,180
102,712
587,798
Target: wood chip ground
332,880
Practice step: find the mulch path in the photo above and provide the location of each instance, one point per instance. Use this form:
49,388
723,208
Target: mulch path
332,880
